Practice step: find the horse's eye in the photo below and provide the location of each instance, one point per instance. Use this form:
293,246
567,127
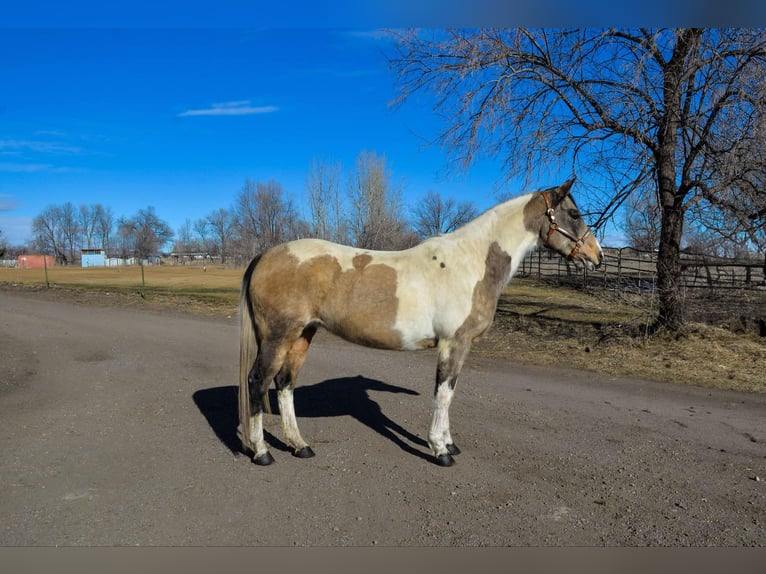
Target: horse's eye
574,214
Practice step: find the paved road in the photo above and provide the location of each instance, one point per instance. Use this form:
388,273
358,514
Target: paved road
117,427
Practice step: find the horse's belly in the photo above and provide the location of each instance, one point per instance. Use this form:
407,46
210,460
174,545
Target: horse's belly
367,333
416,336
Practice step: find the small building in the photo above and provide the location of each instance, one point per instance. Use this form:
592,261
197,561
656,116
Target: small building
93,258
35,261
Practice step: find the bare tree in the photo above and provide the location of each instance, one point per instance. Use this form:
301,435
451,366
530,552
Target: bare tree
87,226
202,229
49,236
104,225
145,233
679,110
434,215
375,219
185,238
264,217
325,203
70,229
126,237
221,224
642,220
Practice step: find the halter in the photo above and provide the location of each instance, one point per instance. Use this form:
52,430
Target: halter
555,227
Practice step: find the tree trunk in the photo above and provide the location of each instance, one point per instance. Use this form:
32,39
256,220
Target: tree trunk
669,287
671,192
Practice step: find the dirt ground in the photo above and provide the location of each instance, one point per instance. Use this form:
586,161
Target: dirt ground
118,427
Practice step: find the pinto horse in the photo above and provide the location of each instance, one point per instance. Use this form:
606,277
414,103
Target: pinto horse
441,293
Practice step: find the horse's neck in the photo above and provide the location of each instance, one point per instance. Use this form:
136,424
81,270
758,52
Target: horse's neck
504,225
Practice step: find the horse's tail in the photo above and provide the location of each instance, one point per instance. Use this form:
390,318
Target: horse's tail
248,352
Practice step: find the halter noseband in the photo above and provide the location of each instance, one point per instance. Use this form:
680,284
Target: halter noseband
555,227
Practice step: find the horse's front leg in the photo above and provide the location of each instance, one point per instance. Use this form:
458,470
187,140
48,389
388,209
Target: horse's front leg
452,354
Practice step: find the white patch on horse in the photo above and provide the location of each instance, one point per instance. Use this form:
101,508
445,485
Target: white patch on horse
287,414
439,435
256,434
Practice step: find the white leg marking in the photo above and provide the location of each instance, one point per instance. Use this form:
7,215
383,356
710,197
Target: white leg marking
289,423
439,435
256,434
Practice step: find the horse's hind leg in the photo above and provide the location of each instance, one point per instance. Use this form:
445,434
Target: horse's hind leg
258,404
285,383
452,354
270,359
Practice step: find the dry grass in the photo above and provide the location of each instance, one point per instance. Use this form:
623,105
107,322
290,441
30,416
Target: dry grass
536,323
556,326
212,291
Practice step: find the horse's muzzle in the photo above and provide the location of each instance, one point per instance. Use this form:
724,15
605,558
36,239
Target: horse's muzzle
589,260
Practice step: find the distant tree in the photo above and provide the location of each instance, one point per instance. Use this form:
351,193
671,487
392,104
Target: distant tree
434,215
87,226
264,217
202,230
64,230
3,245
642,220
326,218
145,233
126,237
221,225
104,226
185,241
70,229
375,219
48,233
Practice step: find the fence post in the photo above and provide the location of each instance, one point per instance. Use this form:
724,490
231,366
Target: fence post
45,264
619,267
143,281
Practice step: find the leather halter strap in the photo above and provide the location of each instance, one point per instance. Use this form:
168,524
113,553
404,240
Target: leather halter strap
579,242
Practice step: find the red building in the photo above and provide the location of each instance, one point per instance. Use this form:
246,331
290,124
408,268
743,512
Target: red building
35,261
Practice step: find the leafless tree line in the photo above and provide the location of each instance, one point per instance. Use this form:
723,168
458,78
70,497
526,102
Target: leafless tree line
364,208
63,230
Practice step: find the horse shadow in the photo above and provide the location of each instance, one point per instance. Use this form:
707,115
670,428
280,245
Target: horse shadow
348,396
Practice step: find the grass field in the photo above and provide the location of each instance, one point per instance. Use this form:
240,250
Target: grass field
214,290
536,323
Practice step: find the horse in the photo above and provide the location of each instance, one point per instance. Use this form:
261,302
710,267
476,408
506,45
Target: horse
441,293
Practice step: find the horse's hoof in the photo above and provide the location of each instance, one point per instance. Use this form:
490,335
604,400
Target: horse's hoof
453,449
445,460
264,459
304,452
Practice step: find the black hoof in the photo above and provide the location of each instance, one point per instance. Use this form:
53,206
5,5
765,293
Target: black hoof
453,449
264,459
445,460
304,452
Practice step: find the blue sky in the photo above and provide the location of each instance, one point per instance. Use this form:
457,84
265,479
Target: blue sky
179,119
174,105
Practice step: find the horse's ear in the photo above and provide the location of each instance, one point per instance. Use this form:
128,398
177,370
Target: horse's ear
559,193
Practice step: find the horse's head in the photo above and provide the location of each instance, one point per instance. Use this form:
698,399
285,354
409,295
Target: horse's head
562,228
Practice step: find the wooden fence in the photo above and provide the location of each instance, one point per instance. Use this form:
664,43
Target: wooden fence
628,269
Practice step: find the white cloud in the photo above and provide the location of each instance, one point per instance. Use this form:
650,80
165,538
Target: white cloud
7,203
237,108
375,34
17,167
37,146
